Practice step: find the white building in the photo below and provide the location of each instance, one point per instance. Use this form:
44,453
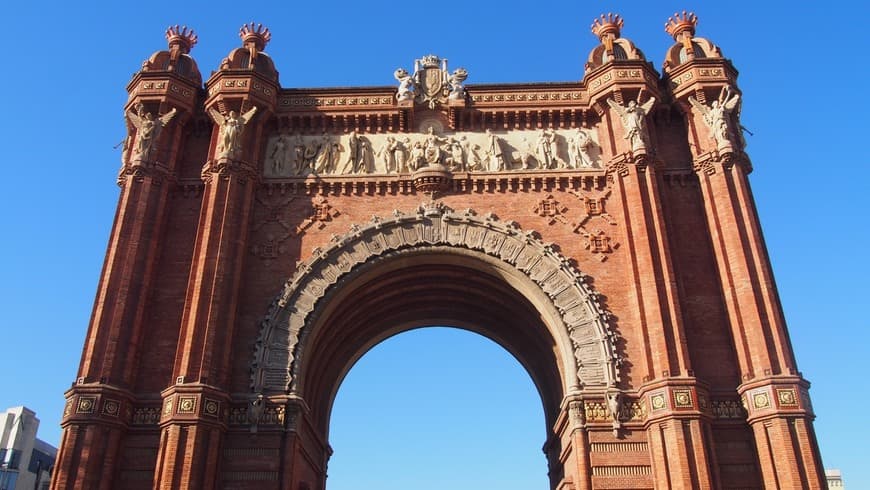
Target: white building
835,479
25,461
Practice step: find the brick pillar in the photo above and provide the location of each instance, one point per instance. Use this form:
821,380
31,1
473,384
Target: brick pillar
99,403
680,457
242,95
774,393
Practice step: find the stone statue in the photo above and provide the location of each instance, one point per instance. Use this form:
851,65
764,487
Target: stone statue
148,129
495,152
232,127
578,150
457,90
717,117
255,410
633,118
406,85
614,404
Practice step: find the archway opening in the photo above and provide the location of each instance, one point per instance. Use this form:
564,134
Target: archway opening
436,408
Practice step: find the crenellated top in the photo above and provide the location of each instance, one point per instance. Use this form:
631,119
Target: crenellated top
177,59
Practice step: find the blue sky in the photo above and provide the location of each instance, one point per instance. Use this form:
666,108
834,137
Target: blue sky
803,73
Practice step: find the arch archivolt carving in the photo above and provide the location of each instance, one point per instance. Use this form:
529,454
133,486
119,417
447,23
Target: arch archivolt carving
585,322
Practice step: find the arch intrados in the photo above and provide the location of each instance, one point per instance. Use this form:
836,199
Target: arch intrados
528,327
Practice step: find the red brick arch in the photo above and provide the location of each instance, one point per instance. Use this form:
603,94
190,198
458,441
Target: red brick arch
435,267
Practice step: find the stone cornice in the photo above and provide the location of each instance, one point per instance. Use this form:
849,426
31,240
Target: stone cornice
461,182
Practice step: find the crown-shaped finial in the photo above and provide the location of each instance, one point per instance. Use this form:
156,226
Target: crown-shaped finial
680,23
255,34
430,61
182,37
607,24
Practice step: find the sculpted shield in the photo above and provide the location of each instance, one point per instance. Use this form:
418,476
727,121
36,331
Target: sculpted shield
432,81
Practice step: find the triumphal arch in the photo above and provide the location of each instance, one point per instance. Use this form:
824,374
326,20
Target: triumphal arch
603,231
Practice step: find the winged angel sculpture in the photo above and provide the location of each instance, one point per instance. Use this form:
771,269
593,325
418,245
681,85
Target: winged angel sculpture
717,116
148,129
232,127
633,118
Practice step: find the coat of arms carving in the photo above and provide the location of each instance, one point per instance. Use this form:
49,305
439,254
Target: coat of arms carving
431,83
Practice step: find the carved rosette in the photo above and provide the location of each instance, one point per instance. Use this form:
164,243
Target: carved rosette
284,330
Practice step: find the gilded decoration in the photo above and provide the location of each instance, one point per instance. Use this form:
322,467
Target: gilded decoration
283,332
296,155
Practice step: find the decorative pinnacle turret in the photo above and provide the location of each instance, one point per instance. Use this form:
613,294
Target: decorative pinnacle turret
181,38
679,24
255,35
607,24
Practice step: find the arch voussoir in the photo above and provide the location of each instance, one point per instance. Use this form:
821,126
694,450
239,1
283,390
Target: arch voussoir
586,323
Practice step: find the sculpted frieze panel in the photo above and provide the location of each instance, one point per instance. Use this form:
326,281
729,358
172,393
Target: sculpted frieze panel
296,155
586,324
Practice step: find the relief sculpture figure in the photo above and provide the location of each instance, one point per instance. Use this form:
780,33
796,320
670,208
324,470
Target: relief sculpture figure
366,162
401,154
633,118
148,129
280,155
386,154
354,154
456,158
717,117
495,152
323,158
578,150
432,151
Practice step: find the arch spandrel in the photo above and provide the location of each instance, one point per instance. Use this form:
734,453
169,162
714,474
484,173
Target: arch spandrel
583,332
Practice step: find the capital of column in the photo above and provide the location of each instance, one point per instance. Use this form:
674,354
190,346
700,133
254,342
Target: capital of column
719,160
226,168
194,403
97,403
669,398
776,396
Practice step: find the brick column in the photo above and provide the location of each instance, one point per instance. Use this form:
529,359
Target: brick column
679,450
774,393
242,95
99,404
